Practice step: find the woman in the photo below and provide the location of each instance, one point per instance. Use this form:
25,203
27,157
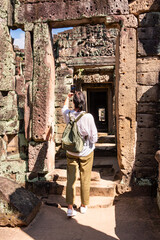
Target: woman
82,161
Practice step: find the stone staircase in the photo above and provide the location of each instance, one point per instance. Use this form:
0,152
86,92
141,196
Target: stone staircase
103,184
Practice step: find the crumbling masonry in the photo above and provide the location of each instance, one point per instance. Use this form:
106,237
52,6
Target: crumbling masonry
129,40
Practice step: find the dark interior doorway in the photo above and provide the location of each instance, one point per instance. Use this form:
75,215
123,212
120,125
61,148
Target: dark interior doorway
97,106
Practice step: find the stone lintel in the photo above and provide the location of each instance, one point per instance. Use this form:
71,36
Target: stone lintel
32,11
129,20
91,61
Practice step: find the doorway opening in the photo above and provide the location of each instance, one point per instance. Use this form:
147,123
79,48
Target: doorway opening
97,106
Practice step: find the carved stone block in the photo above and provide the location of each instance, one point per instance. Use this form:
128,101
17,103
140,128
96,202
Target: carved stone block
32,11
148,78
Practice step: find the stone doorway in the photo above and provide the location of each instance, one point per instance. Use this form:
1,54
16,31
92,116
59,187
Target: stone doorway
97,106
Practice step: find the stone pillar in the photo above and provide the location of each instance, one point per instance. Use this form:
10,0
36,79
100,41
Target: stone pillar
126,93
43,94
157,157
28,74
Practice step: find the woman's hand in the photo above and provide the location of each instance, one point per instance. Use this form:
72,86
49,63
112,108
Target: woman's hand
66,102
70,94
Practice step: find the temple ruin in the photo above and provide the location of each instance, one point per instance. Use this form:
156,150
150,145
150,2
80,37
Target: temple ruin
112,54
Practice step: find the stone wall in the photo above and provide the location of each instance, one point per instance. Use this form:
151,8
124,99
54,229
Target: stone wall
148,69
77,49
137,79
13,145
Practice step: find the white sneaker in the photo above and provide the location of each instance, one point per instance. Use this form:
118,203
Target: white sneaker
71,213
83,209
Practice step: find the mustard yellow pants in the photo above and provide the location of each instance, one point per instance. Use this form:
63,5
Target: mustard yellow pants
84,166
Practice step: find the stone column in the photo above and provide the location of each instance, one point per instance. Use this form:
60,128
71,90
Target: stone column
28,74
43,98
157,157
126,93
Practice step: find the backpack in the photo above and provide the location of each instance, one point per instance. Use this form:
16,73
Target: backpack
71,138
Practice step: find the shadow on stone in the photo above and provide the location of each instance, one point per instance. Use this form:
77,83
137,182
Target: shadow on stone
18,207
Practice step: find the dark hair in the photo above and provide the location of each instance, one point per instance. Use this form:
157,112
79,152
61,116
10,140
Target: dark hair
79,101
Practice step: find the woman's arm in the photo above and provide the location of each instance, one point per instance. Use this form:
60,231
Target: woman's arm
65,109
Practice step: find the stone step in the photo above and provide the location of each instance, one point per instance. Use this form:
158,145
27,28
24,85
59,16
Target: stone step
105,146
95,201
98,188
104,138
61,175
99,161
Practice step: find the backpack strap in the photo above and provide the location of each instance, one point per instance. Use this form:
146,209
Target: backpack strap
76,120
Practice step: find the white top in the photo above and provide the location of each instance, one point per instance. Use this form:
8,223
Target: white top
86,127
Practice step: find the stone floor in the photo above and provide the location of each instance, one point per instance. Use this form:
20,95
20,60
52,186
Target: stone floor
130,218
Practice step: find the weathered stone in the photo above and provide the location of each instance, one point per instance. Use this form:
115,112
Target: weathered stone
28,27
41,156
28,74
145,160
147,107
20,85
9,127
60,128
8,105
7,57
147,135
126,97
92,61
129,21
148,64
146,175
148,37
127,57
18,207
33,10
146,147
37,157
151,19
87,46
14,166
148,93
148,78
12,145
137,7
43,82
28,110
3,147
98,41
3,9
147,120
10,11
